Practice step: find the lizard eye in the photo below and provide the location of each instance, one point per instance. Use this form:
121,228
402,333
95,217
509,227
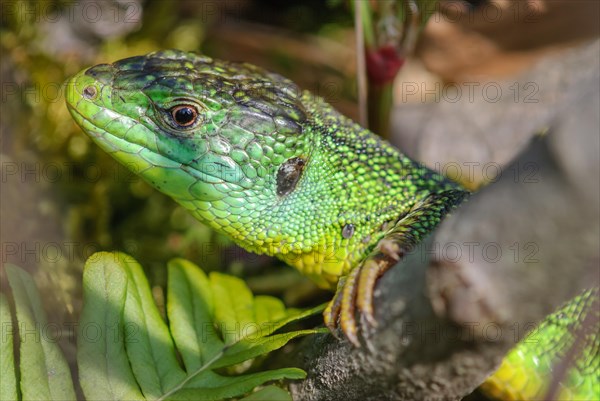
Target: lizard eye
184,115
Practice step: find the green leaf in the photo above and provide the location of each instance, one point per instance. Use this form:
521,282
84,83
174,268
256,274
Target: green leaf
149,345
104,369
234,311
127,351
8,390
249,348
212,386
190,310
293,315
269,393
202,312
268,310
45,374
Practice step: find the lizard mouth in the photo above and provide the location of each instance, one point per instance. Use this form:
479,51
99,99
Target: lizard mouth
102,137
143,161
114,145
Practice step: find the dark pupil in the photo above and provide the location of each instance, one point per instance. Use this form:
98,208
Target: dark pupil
184,115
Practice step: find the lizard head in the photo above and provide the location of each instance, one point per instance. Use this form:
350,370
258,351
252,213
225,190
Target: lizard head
210,134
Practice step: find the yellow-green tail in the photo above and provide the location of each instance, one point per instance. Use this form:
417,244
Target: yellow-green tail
559,360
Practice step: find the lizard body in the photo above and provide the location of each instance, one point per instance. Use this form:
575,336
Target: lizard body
275,168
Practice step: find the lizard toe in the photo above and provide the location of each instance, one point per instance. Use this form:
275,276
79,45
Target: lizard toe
348,307
369,273
331,313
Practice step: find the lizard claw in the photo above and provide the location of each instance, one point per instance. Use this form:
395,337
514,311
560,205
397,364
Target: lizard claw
354,292
332,312
347,307
340,311
366,287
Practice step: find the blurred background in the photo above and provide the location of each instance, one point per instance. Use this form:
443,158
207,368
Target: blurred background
484,78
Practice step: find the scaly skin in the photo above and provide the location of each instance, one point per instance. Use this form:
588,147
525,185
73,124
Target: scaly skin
275,168
568,338
225,168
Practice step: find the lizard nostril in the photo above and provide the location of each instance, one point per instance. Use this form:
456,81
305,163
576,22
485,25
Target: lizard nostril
90,92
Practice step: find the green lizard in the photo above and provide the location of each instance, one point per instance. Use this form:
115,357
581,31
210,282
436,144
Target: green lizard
276,169
558,360
273,167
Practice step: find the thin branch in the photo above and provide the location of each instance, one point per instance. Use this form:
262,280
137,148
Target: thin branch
361,69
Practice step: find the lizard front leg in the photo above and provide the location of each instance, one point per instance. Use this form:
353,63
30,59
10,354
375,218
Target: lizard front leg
355,291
